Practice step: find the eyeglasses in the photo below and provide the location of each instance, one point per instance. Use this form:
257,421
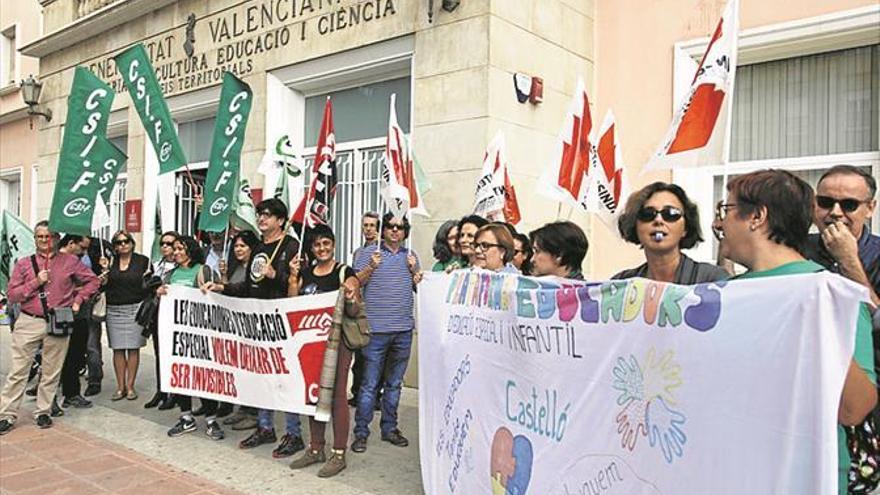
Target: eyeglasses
484,246
848,205
120,242
721,209
393,226
265,213
667,213
165,243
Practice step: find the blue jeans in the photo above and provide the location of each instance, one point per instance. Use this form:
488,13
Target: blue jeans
388,351
266,421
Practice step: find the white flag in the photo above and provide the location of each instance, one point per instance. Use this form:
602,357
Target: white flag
397,162
567,179
609,188
495,198
699,134
101,217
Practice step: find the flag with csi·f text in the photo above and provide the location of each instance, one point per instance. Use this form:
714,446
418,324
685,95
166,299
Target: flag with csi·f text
567,178
314,208
16,241
399,178
609,188
495,196
700,129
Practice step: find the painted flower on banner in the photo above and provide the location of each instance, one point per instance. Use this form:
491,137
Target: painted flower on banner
646,396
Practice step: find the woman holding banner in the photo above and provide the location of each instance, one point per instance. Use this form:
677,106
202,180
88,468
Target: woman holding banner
558,249
445,248
494,248
326,275
191,272
763,225
662,220
124,289
467,231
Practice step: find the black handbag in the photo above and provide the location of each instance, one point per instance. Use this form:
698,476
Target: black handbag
864,450
59,321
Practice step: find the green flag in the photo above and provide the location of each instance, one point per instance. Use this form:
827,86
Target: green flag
244,215
16,241
88,159
223,166
140,79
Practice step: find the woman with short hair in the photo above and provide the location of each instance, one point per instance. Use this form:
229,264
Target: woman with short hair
558,249
467,231
494,248
522,254
162,269
662,220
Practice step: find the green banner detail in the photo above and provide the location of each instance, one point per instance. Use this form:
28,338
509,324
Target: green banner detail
244,215
223,167
16,241
88,161
140,79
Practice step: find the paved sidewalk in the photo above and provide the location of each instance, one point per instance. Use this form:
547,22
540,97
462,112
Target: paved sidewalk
135,431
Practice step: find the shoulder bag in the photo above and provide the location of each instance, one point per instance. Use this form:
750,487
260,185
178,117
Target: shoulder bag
59,321
355,329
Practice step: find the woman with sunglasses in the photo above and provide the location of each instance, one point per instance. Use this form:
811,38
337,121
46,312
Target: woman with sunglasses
662,221
162,269
494,248
124,287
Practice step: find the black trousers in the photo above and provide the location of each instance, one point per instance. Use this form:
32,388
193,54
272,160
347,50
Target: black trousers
185,403
75,358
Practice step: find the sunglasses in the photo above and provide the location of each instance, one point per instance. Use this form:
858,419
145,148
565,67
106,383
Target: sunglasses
167,243
848,205
120,242
484,246
391,226
667,213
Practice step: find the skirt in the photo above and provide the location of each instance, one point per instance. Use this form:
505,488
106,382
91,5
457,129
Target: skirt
122,331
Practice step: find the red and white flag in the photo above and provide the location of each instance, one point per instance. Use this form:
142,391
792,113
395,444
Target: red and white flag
609,188
495,196
324,177
699,134
399,186
568,179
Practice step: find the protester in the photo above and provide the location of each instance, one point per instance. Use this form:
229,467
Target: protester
763,225
74,360
124,287
214,250
370,231
558,249
94,348
446,250
40,282
844,205
267,279
191,272
162,269
494,248
235,272
662,220
467,229
325,276
522,254
388,276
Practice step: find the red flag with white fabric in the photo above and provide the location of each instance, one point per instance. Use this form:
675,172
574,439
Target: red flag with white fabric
610,187
399,187
495,196
699,134
324,176
568,179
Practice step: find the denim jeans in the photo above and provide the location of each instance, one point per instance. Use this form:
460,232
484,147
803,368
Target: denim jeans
266,421
385,359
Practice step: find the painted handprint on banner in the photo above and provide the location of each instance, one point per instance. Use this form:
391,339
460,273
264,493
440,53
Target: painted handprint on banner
647,396
664,429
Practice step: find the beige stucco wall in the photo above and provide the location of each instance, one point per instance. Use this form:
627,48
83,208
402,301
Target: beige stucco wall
18,142
634,51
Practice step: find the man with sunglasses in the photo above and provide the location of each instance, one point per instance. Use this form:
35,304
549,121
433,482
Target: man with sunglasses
844,204
388,275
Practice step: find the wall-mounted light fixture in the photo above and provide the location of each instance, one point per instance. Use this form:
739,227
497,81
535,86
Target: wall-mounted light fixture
30,92
447,5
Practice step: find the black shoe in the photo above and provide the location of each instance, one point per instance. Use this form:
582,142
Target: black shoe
289,445
183,426
257,438
224,410
157,398
32,392
169,403
56,411
92,389
377,406
353,402
77,401
201,411
5,426
359,445
44,421
395,438
214,431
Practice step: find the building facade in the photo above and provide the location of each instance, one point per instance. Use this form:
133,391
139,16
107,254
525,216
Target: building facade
20,24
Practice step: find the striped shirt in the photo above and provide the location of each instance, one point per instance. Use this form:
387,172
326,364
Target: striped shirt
388,293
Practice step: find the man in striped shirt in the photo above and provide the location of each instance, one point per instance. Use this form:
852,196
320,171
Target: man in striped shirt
388,275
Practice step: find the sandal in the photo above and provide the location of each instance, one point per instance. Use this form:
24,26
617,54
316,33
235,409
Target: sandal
131,395
118,395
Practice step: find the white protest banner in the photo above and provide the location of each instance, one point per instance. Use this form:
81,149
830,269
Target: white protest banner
559,387
263,353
